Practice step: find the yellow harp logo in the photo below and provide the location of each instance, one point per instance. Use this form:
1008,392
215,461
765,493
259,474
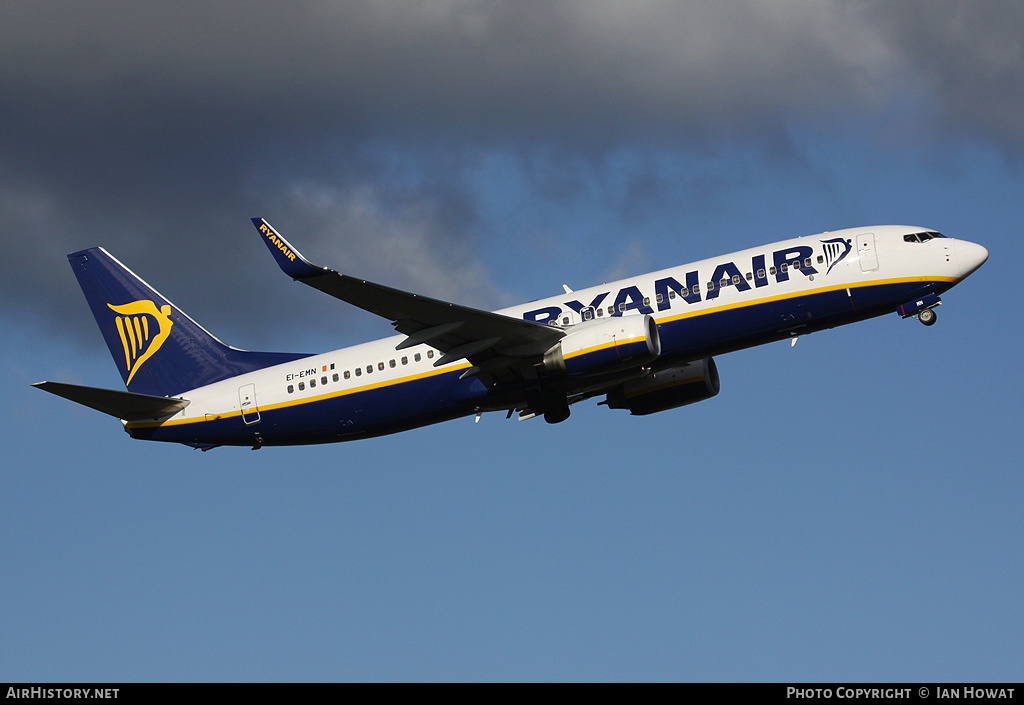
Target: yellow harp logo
135,325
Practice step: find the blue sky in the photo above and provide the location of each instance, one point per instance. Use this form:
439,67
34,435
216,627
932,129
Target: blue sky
847,509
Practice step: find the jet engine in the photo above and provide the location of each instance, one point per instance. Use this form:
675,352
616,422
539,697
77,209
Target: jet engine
666,389
605,345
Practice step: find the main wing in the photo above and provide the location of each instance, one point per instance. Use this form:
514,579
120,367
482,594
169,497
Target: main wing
499,347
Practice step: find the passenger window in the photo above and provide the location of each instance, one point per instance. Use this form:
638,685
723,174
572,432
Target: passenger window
671,293
647,301
611,310
600,312
417,357
796,265
660,299
736,278
405,360
749,276
724,283
348,374
369,369
807,262
380,366
323,380
760,274
430,353
291,388
312,383
334,377
772,271
565,321
359,371
622,307
711,286
785,268
820,259
302,386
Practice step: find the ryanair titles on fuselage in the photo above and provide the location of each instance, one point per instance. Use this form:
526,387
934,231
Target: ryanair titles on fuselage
692,289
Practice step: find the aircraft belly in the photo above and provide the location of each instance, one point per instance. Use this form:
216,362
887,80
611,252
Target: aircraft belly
739,327
370,412
884,298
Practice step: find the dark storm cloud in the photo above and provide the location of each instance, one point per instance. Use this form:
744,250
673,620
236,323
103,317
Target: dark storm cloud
494,68
968,58
156,129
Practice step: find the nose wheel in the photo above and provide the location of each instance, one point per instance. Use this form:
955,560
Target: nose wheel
922,308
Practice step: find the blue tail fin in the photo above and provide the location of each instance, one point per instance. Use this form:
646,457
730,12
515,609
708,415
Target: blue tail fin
158,349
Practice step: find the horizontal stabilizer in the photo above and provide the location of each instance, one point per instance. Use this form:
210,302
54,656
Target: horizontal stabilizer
128,406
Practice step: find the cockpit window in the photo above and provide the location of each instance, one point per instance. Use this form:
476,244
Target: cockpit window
922,237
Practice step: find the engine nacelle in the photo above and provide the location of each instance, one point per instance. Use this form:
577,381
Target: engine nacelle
667,389
606,345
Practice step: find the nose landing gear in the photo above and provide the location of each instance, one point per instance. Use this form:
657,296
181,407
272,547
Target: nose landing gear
923,309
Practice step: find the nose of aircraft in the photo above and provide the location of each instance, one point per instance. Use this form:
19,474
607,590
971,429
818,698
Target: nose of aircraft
969,256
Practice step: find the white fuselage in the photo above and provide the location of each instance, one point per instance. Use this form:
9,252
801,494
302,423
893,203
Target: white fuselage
707,307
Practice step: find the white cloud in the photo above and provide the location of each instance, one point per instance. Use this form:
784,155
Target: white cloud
404,242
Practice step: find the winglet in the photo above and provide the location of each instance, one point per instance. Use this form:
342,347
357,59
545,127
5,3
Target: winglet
288,258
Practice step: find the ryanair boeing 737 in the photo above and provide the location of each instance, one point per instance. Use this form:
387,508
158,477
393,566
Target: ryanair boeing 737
645,344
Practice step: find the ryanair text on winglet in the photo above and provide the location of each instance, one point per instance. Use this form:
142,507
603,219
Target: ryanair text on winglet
285,250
